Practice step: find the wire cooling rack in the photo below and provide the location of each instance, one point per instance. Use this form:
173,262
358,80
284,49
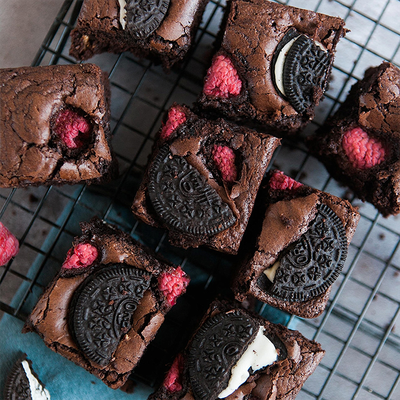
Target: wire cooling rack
358,329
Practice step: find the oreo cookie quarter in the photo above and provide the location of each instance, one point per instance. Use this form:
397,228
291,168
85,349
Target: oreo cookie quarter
102,308
310,265
143,17
183,199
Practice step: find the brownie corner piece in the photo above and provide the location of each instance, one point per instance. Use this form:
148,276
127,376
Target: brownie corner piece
299,248
272,64
162,30
55,126
202,179
285,359
107,302
360,144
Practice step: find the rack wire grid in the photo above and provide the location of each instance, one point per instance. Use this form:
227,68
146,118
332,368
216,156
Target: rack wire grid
358,328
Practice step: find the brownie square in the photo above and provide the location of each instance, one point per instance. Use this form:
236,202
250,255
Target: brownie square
298,249
360,144
283,361
54,126
107,302
272,64
161,30
202,180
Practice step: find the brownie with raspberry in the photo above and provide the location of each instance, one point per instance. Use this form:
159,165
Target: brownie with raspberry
161,30
54,126
296,246
236,354
107,302
360,144
202,180
272,64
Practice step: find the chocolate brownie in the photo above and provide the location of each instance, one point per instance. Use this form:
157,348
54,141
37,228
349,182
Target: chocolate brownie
162,30
54,126
236,354
272,64
107,302
360,143
23,384
299,249
202,180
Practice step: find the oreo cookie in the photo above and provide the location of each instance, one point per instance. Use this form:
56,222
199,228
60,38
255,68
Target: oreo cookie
299,67
310,265
23,384
102,307
143,17
183,199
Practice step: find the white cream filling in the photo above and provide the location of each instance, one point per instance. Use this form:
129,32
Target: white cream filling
38,392
280,62
271,272
260,353
122,13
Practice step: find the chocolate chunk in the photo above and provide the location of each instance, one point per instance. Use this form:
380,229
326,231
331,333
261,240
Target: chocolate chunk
215,349
102,308
183,199
143,17
310,265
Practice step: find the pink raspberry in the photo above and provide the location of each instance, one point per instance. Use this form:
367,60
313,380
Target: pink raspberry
280,181
224,159
362,151
173,380
9,245
173,284
80,256
176,117
222,79
73,129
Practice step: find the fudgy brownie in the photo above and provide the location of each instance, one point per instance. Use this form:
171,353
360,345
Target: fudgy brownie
54,126
23,384
300,247
360,144
162,30
235,354
202,180
272,64
107,302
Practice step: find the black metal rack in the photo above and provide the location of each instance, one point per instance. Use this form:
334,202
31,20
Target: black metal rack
358,329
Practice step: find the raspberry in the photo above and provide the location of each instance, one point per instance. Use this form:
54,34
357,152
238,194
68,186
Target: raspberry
9,245
224,159
222,79
173,380
80,256
173,284
175,118
362,151
73,129
279,181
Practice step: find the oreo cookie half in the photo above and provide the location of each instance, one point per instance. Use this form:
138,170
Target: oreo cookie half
183,199
215,349
299,67
310,265
102,307
143,17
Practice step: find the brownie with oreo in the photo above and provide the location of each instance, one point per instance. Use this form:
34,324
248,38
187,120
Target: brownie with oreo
360,144
107,302
272,64
202,180
236,354
22,383
162,30
54,126
297,247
